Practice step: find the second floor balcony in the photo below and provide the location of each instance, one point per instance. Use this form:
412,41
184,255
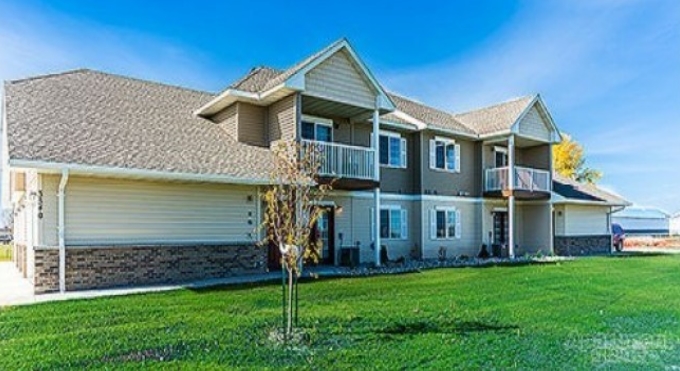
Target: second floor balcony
345,163
527,181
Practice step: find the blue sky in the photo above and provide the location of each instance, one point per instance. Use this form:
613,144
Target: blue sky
609,70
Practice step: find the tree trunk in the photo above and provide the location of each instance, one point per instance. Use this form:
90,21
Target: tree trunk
289,327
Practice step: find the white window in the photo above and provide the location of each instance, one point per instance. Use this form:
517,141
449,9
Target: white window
392,150
445,223
444,155
315,128
500,156
393,223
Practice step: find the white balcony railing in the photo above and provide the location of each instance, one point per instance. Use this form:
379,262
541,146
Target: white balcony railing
344,161
526,179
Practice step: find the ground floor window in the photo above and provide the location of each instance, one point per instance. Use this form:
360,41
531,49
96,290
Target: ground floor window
445,223
393,223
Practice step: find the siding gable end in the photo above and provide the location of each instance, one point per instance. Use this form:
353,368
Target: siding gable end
534,124
338,78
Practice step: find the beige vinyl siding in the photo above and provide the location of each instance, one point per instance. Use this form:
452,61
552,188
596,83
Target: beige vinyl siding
361,134
251,124
20,222
49,222
397,248
532,225
488,156
536,229
401,180
533,125
117,211
282,119
342,130
449,183
560,220
585,220
226,119
537,157
361,227
354,222
338,79
470,240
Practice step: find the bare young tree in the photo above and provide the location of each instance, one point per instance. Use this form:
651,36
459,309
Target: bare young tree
292,211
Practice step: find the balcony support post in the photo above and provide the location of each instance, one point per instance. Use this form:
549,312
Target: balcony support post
376,191
376,144
376,225
511,199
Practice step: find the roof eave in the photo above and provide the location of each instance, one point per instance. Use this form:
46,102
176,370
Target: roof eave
221,101
563,200
230,96
80,169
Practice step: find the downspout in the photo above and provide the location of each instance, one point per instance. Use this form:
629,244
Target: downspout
62,231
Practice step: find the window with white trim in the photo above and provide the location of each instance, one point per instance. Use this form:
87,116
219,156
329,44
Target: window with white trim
444,155
392,150
393,223
315,128
500,156
445,223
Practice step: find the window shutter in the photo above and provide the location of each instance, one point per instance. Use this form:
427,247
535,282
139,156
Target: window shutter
371,223
433,154
457,158
404,224
458,223
433,224
403,152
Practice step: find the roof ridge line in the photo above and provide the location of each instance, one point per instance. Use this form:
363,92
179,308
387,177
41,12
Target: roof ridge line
49,75
159,83
105,73
511,100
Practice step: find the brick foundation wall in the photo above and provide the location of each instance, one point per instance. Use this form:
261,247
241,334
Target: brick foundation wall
582,245
46,275
102,267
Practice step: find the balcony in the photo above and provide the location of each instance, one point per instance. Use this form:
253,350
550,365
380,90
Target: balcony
344,162
528,182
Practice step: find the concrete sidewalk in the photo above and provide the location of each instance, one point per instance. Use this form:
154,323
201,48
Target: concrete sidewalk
15,290
13,287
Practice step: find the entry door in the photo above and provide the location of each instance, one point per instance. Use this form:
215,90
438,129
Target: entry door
324,231
500,227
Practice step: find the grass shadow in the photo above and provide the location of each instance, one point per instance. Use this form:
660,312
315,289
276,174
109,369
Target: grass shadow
422,327
631,254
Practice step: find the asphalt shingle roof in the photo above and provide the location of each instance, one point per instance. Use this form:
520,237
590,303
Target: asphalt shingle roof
256,80
571,189
487,120
93,118
498,117
431,116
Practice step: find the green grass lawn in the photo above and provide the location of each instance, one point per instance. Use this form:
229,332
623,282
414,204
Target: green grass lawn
5,253
611,313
